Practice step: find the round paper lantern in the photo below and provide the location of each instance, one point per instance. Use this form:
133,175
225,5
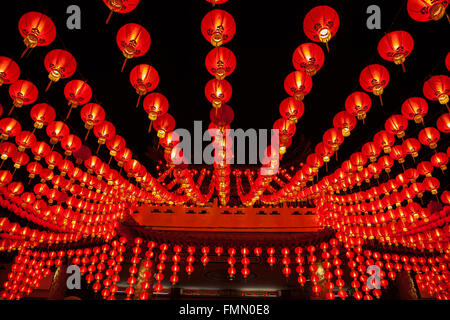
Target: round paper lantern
308,57
37,30
429,137
218,92
40,150
426,10
60,64
415,109
115,145
396,125
440,160
22,92
92,114
345,122
286,129
9,127
333,138
56,131
292,109
25,140
9,71
218,27
133,40
396,46
411,146
222,117
220,62
104,131
70,143
437,88
374,78
358,103
321,24
384,140
42,114
7,150
298,84
156,105
371,151
144,78
443,123
77,93
163,125
120,6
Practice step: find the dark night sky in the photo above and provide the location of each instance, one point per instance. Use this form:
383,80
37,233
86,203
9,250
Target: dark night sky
267,35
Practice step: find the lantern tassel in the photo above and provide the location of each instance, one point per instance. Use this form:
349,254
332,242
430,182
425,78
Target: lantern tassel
11,110
326,166
403,67
403,166
87,134
99,145
109,17
337,159
1,165
123,66
139,100
29,181
68,113
110,158
23,53
381,100
14,172
448,109
48,86
328,49
150,127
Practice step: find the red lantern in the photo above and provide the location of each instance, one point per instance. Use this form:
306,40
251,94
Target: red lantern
218,92
60,64
115,145
298,84
25,140
104,131
133,40
358,103
440,160
443,123
345,122
7,149
415,109
56,131
77,93
22,92
163,125
292,109
426,10
5,177
42,114
333,138
396,125
9,71
396,46
218,27
308,57
321,24
120,6
37,30
412,147
286,128
371,151
222,117
374,78
220,62
9,127
92,114
20,159
40,150
156,105
70,143
384,140
429,137
144,78
398,153
437,88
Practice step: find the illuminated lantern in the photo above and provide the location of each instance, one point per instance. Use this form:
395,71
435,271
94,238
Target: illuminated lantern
437,88
429,137
298,84
415,109
286,128
5,177
104,131
374,78
220,62
115,145
223,116
214,2
396,125
321,24
60,64
218,92
133,40
292,109
371,151
163,125
443,123
77,93
386,163
425,168
396,46
37,30
15,188
9,127
7,149
22,92
445,197
333,138
92,114
25,140
144,78
412,147
42,114
20,159
218,27
70,143
120,6
308,57
53,160
170,140
426,10
358,159
123,156
431,184
56,131
345,122
358,103
440,160
384,140
398,153
156,105
40,150
9,71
